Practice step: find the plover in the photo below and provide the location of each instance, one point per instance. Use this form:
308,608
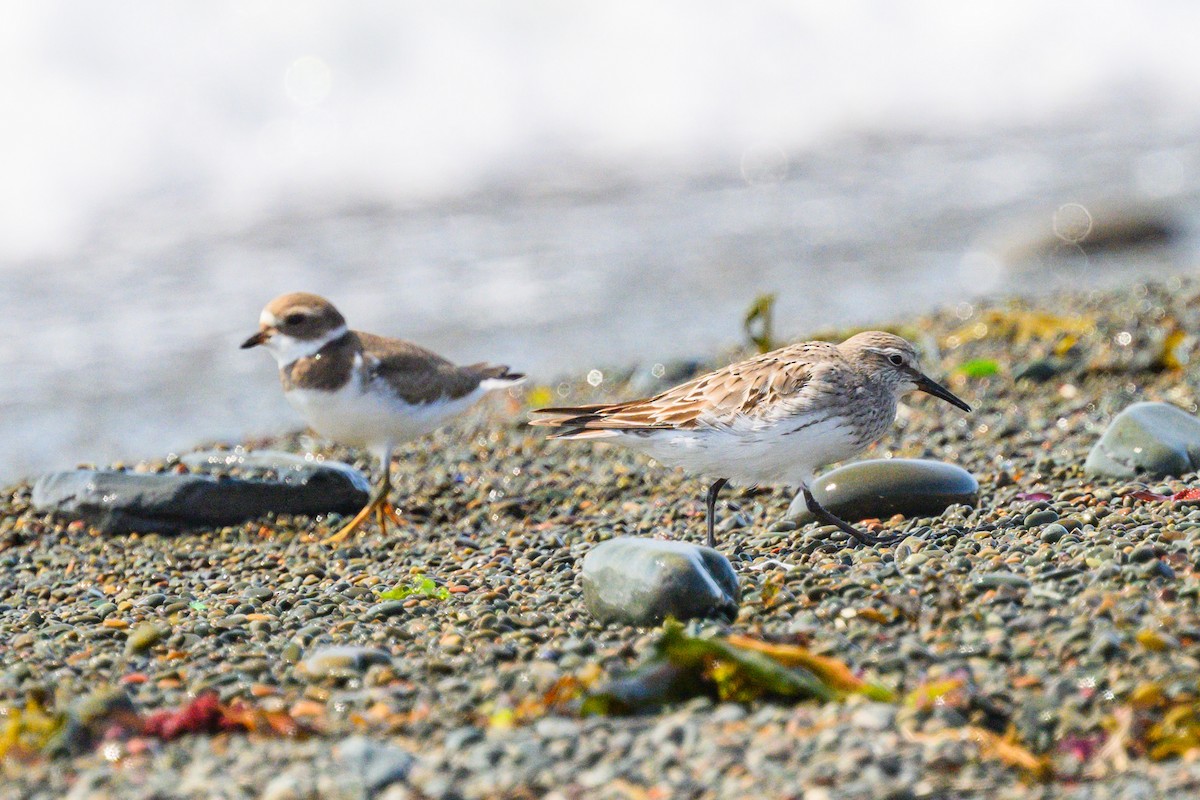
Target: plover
774,418
364,390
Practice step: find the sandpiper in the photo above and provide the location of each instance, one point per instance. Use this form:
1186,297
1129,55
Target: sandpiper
774,418
365,390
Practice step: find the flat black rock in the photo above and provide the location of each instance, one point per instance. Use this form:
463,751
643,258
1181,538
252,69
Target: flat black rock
129,502
879,488
269,464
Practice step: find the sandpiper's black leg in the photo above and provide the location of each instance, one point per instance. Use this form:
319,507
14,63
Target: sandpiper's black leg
819,511
710,501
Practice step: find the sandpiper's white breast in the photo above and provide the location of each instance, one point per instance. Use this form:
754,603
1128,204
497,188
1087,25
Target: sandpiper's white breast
751,453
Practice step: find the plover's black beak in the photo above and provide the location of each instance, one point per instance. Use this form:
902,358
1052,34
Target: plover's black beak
929,385
257,339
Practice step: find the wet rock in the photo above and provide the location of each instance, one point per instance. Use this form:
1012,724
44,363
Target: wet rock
342,661
1159,569
643,581
879,488
88,717
1147,439
286,467
378,764
391,608
1106,644
287,785
1052,533
102,704
1036,519
145,636
875,717
126,502
1103,225
1142,554
994,580
1041,370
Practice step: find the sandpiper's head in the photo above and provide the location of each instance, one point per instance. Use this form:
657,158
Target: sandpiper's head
297,325
893,360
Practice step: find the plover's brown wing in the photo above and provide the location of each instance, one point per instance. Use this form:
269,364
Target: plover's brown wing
757,387
421,376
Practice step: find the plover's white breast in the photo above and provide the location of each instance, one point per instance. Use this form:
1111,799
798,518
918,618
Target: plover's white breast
362,415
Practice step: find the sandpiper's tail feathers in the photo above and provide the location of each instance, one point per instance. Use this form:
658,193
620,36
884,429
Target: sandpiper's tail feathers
597,421
495,376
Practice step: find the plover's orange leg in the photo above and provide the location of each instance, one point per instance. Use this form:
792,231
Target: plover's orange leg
353,524
380,506
389,512
384,512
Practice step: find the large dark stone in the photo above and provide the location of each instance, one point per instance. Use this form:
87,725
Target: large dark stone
127,502
1147,439
1103,226
879,488
643,581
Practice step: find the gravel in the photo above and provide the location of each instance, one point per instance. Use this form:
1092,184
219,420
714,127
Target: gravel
1053,610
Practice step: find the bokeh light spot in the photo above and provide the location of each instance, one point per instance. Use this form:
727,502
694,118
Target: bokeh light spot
1072,223
764,165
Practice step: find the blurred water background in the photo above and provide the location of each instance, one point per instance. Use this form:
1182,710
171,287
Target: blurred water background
557,186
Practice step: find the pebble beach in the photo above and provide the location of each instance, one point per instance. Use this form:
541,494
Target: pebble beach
1044,642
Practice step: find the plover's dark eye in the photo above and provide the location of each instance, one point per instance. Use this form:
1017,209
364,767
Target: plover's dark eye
293,319
896,359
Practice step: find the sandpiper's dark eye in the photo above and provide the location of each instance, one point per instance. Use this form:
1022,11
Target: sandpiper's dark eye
896,359
293,319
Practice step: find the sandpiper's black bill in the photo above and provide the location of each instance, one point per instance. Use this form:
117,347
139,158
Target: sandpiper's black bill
927,384
256,340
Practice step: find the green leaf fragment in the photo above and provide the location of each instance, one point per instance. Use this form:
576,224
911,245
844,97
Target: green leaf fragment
979,368
425,587
759,323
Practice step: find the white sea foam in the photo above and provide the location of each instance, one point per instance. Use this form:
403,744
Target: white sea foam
213,113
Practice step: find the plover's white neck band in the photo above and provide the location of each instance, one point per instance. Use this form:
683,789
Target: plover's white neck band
288,349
